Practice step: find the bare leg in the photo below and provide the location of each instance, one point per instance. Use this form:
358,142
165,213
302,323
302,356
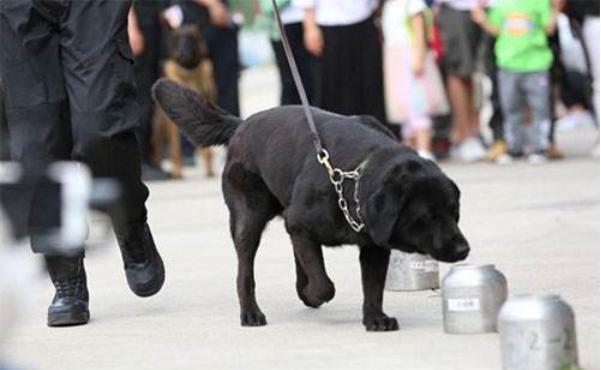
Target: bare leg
374,264
176,149
462,107
423,139
207,155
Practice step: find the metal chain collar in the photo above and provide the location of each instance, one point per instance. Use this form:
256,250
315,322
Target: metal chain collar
337,177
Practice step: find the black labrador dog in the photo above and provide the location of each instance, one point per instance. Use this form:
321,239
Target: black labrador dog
406,202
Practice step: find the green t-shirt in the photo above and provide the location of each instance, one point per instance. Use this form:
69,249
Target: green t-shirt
522,44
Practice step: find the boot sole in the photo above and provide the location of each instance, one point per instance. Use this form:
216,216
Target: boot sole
68,319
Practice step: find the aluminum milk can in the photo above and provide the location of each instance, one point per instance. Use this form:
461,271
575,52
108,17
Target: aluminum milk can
537,333
472,296
411,271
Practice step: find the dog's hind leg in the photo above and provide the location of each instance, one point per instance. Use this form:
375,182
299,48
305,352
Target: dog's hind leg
313,285
251,207
374,264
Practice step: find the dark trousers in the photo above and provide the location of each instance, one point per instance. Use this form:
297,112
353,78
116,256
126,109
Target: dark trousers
223,52
350,75
67,71
147,69
304,61
492,70
147,72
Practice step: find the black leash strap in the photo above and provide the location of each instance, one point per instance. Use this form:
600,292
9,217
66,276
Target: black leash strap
337,176
321,152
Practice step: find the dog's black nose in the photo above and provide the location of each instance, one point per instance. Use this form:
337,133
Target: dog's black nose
461,251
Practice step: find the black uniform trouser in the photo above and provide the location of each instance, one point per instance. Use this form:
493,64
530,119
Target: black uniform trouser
67,71
223,52
147,68
222,43
304,61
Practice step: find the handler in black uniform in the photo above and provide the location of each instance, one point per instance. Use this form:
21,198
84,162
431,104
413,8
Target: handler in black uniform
67,71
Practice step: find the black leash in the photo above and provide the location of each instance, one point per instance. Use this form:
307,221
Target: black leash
337,176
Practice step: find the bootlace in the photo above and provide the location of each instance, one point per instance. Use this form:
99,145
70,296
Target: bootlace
68,287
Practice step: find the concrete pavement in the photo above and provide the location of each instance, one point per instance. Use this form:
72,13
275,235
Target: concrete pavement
539,225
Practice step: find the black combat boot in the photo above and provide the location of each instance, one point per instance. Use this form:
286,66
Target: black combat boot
70,303
143,265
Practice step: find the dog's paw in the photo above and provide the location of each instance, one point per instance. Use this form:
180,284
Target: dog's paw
300,291
315,296
380,322
252,318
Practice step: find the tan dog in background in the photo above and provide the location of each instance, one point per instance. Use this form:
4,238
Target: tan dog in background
189,66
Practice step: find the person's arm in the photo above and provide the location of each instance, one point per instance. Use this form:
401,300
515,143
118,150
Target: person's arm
136,38
312,33
220,15
418,27
480,17
556,7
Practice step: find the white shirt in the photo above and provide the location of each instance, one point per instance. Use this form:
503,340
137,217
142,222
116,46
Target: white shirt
460,4
395,20
291,14
339,12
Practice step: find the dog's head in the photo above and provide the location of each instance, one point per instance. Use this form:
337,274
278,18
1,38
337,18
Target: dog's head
414,207
187,46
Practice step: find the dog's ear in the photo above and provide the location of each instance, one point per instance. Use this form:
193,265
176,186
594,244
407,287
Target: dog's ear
457,195
381,214
384,205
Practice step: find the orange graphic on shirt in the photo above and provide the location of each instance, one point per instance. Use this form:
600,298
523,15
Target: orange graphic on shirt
518,24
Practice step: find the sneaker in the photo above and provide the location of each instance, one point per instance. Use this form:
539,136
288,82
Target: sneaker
575,120
143,265
426,154
470,150
497,149
536,159
70,303
503,159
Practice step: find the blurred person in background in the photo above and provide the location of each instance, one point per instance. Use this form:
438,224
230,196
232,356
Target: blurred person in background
292,19
461,39
4,152
495,122
343,36
585,14
145,35
216,21
67,71
409,67
221,34
524,59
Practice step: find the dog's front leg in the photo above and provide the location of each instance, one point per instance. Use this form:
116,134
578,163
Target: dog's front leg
374,265
313,285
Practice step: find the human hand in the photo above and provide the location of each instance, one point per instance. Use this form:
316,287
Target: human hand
136,40
314,40
220,15
419,64
479,14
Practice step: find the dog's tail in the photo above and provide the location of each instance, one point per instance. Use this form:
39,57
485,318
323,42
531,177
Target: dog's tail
201,121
